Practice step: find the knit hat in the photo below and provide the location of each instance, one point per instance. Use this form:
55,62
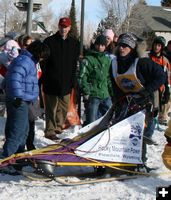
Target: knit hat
101,39
109,33
128,39
9,36
12,35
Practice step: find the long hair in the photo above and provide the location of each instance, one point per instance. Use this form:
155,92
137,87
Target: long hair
22,40
111,47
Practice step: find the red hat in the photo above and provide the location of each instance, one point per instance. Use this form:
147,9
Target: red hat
65,21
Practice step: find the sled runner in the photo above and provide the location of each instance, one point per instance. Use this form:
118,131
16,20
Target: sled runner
113,141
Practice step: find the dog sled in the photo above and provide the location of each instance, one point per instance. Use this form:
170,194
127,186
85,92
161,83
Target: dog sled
113,142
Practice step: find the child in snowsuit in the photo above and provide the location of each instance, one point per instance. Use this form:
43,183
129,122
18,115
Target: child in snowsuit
21,87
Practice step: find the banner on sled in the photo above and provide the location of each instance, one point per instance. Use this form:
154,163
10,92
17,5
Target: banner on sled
122,142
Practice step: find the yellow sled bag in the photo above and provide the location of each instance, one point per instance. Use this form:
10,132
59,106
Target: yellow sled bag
167,156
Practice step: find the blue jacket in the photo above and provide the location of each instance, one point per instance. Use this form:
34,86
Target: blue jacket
21,79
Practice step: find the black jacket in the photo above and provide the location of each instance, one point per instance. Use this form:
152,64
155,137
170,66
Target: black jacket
150,74
60,68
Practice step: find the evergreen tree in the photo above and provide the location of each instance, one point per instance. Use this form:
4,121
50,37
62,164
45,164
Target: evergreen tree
110,22
72,16
166,3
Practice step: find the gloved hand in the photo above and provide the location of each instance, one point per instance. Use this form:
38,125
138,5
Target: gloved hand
144,93
17,102
144,99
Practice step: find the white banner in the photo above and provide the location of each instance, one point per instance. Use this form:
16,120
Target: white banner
120,143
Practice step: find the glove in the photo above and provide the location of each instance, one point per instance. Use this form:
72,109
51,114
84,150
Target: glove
144,93
17,102
144,99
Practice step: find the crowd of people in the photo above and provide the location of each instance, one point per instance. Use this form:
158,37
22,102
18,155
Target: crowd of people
112,69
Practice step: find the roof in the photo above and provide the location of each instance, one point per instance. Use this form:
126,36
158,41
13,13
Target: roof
157,18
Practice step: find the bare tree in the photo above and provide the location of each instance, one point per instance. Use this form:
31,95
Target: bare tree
135,22
11,17
121,8
88,34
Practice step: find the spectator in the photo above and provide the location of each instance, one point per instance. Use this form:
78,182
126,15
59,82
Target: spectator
110,46
10,50
21,87
95,80
59,77
157,55
34,108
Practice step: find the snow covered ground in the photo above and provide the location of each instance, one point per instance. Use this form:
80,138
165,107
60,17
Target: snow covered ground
143,188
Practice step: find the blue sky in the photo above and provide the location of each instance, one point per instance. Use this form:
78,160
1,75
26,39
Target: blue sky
93,10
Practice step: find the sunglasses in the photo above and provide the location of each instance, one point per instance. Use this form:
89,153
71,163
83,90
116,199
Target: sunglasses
123,45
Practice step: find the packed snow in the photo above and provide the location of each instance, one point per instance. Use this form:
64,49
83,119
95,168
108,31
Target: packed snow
142,188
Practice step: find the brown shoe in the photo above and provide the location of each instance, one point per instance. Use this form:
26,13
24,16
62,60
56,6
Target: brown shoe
58,132
51,136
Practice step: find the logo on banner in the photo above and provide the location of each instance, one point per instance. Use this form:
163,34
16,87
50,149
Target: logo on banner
135,135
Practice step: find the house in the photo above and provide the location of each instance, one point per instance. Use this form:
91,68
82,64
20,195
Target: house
158,20
38,31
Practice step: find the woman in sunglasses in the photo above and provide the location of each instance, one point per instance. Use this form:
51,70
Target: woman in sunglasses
136,75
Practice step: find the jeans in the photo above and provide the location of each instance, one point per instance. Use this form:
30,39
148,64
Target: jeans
96,108
16,128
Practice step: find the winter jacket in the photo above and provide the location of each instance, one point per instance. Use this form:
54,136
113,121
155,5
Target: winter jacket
95,78
163,61
59,69
21,80
165,88
167,54
150,74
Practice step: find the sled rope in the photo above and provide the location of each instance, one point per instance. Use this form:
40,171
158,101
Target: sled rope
39,151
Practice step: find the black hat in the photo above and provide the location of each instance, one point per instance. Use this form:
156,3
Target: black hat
160,40
101,39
